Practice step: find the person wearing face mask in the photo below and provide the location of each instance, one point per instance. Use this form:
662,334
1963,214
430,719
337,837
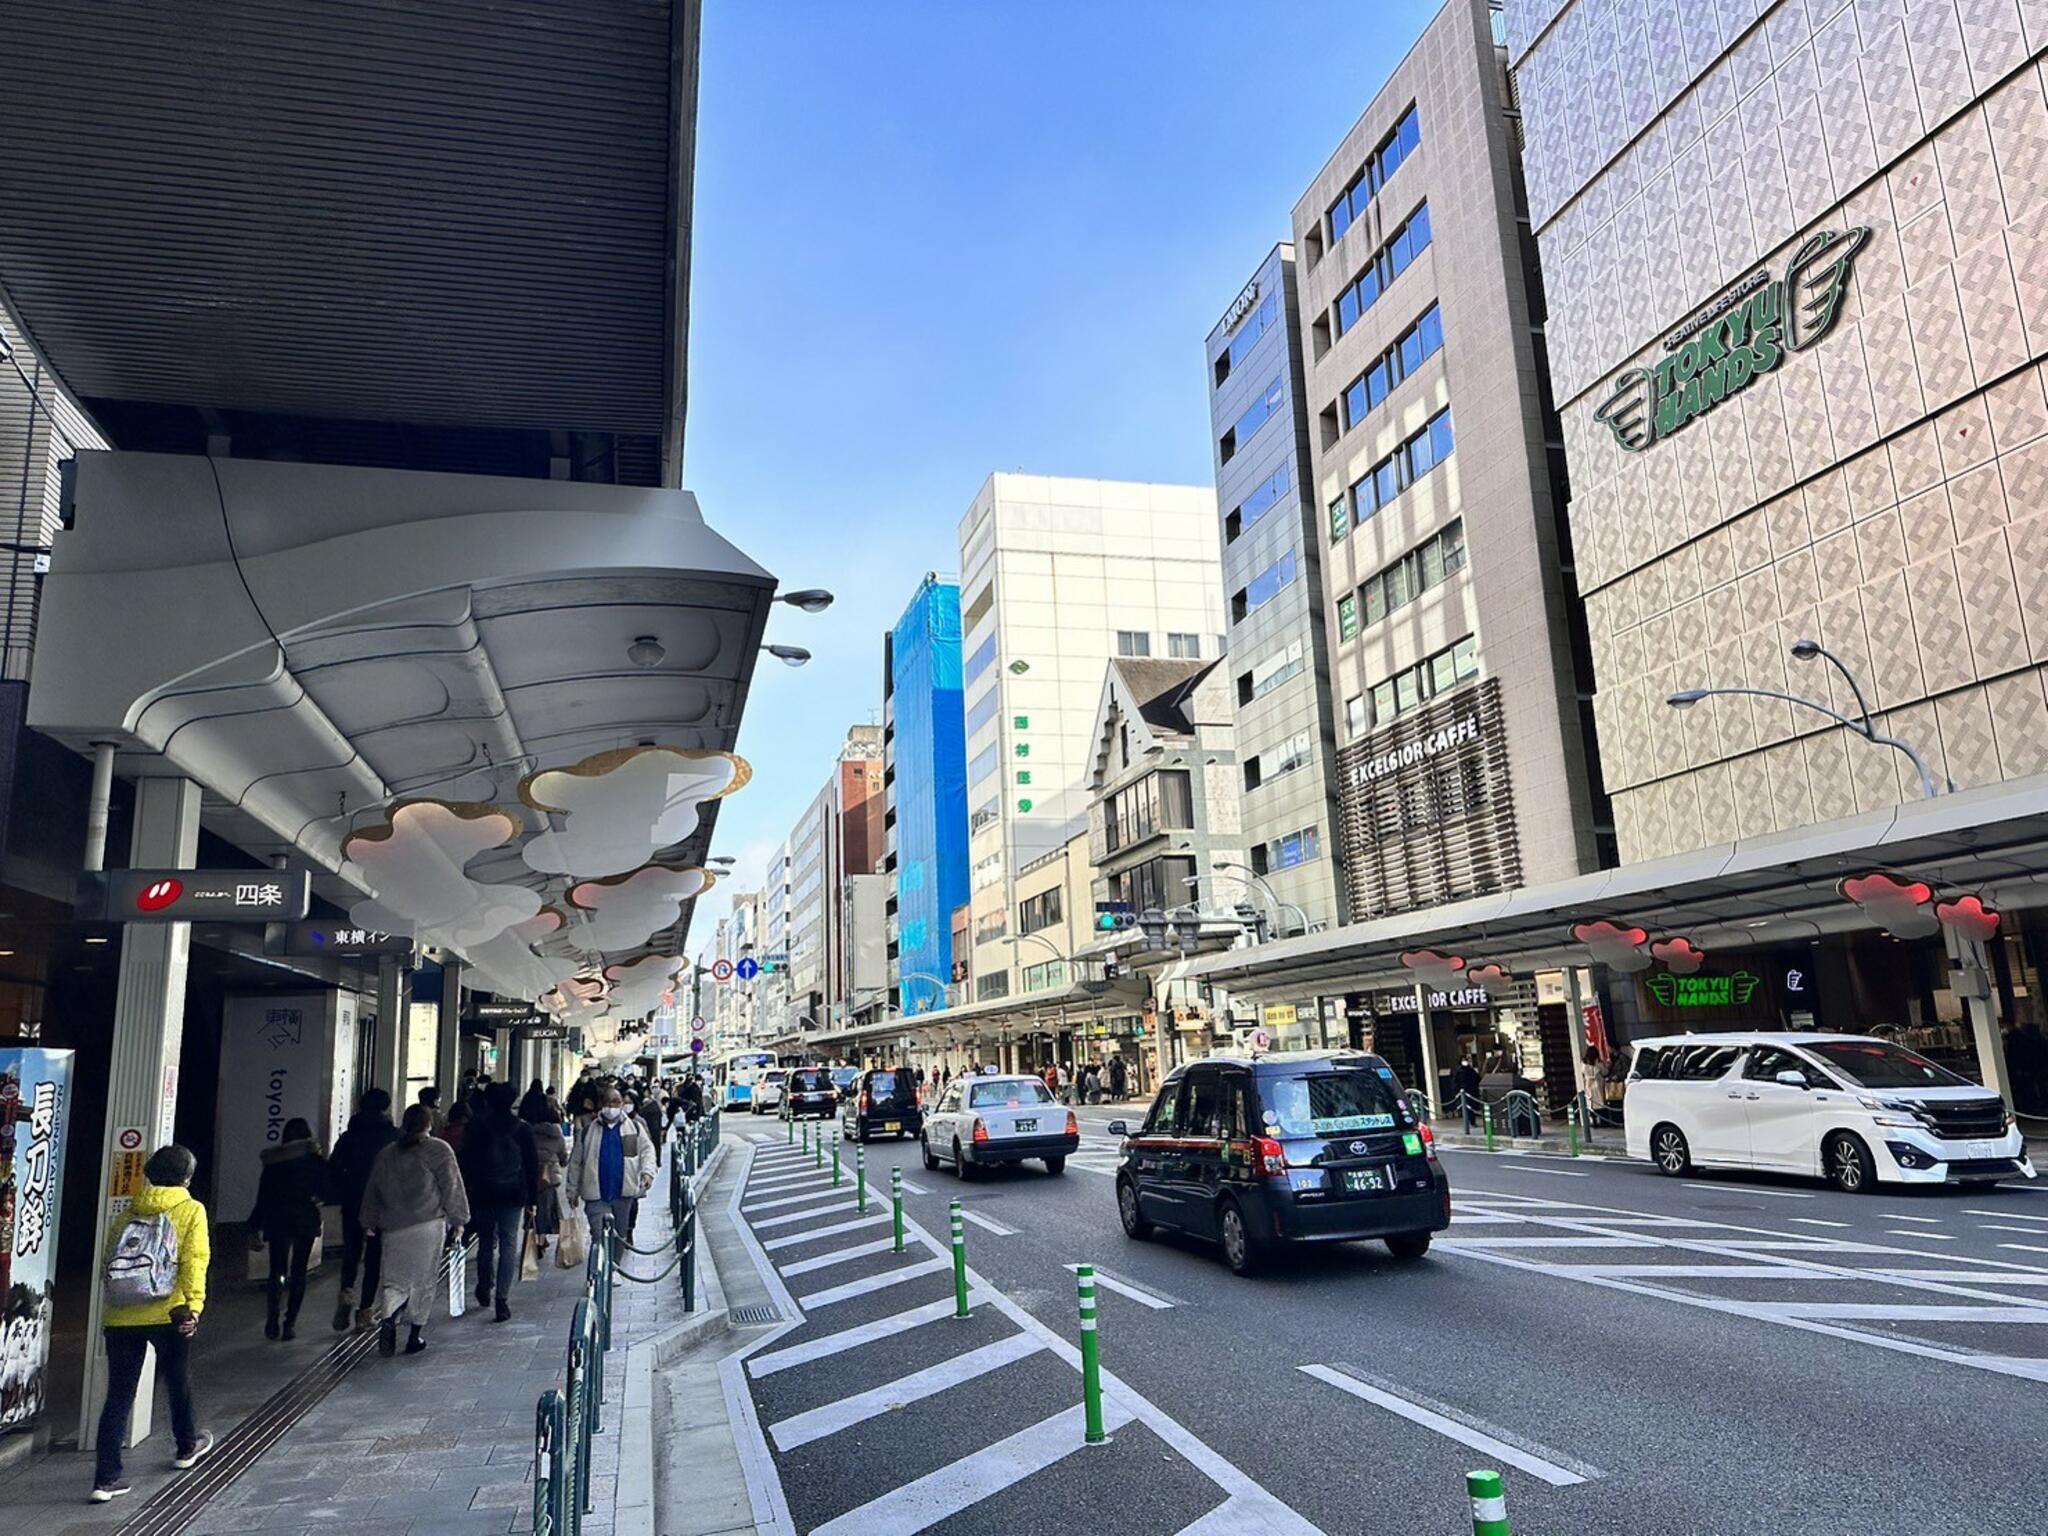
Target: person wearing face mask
611,1165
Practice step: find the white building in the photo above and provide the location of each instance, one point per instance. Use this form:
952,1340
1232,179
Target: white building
1058,576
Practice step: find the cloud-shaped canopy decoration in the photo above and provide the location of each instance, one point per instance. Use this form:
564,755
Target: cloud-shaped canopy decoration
1440,971
1680,955
1491,978
508,966
1902,908
639,985
1968,916
626,911
618,808
1619,947
416,859
580,997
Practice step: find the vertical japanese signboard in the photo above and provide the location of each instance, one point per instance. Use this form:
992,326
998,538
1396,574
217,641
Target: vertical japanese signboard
35,1102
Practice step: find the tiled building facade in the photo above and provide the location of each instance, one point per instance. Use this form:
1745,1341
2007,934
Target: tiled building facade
1882,486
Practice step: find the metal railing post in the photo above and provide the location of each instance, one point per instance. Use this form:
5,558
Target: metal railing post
549,1425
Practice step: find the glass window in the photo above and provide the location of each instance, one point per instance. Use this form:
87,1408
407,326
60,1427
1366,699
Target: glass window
1176,799
1347,616
1443,673
1374,593
1354,714
1386,482
1256,414
1879,1064
1440,439
1453,541
1466,654
1252,329
1383,702
1164,1119
1131,642
1184,645
1396,580
1270,582
1355,404
1407,691
1347,309
986,813
1432,565
984,764
1430,328
1264,499
1204,1103
1335,1103
984,710
1008,1092
978,663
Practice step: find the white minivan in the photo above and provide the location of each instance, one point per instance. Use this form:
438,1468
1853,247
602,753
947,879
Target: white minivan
1854,1109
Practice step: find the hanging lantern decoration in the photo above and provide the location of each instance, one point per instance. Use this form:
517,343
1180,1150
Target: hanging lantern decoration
1620,947
1902,908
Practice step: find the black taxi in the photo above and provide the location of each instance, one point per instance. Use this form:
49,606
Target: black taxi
1294,1146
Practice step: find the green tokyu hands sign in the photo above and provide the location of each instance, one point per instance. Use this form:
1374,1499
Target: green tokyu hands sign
1737,339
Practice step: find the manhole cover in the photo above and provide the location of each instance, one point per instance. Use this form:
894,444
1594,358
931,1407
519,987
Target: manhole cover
754,1316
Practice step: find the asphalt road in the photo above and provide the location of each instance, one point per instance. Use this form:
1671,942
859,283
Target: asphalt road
1637,1354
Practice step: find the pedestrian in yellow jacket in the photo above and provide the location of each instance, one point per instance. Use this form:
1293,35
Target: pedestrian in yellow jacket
163,1319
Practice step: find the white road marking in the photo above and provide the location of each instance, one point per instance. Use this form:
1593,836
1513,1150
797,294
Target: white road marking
937,1496
2024,1247
759,1136
1882,1312
1993,1226
1560,1173
1925,1237
880,1282
1969,1276
838,1256
844,1413
1802,1245
2007,1215
1139,1294
833,1230
792,1220
781,1202
1744,1189
1697,1271
1815,1221
852,1338
914,1189
1485,1218
982,1221
1613,1240
1930,1221
785,1180
1451,1429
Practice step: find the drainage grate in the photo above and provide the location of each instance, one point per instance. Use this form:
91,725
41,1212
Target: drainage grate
754,1316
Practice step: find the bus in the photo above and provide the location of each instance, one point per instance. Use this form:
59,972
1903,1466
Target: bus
733,1074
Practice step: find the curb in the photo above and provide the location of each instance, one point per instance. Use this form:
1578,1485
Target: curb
633,1513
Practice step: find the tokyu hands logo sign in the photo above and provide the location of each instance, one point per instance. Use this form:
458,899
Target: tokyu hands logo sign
1737,339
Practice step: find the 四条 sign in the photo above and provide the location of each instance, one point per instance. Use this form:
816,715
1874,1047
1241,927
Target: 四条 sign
1737,339
195,896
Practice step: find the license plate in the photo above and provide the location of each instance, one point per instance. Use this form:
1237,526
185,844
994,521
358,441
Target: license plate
1024,1125
1364,1179
1300,1179
1983,1149
892,1125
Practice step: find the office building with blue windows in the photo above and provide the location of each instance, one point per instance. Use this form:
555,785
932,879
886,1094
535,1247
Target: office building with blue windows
1278,650
924,777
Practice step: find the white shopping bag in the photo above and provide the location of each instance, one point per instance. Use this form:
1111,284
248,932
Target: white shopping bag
458,1280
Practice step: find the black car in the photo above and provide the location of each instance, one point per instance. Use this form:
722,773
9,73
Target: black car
809,1093
882,1101
1296,1146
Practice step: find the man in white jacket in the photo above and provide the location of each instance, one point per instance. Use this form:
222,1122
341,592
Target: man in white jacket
611,1165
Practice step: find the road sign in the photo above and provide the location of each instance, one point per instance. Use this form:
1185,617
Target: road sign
319,937
698,1025
747,969
722,971
1261,1041
195,895
696,1046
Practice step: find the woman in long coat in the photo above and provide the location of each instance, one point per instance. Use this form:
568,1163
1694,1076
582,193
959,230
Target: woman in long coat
414,1198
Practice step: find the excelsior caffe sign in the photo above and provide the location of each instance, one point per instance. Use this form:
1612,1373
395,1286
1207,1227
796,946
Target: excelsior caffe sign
1419,749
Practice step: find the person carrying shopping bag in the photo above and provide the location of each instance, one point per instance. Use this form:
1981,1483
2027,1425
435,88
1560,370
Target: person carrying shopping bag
611,1165
413,1201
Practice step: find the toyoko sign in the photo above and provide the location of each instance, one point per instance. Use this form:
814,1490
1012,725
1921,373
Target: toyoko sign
1241,305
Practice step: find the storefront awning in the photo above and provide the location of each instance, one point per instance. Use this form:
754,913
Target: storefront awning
1764,890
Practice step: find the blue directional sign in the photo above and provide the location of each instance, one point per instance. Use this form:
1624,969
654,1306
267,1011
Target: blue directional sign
747,969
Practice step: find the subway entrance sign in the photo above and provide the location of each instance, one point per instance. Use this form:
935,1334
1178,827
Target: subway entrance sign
195,896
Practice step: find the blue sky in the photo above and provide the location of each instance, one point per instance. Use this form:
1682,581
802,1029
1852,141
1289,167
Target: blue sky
936,238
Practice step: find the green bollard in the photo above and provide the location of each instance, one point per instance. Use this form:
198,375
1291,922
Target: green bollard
789,1129
860,1181
835,1159
1091,1357
818,1149
959,1262
1489,1127
1571,1122
896,1201
1489,1504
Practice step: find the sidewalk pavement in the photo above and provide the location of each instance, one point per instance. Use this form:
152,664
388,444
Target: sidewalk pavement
441,1444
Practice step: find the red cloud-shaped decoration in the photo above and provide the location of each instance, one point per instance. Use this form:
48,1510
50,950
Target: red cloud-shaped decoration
1618,947
1438,970
1968,916
1903,908
1489,977
1680,955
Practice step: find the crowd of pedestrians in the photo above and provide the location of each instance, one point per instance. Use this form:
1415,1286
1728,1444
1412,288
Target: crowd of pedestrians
517,1173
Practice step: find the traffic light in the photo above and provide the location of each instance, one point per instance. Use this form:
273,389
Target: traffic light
1114,916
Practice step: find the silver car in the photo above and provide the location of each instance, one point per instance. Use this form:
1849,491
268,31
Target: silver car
979,1122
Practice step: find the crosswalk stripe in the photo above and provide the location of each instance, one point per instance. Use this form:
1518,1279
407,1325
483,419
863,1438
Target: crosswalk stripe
1618,1240
1968,1276
792,1220
1994,1226
852,1338
833,1230
785,1180
2006,1215
838,1256
919,1505
1744,1189
880,1282
1930,1221
782,1201
1695,1272
914,1189
844,1413
985,1222
2024,1247
1915,1232
1815,1221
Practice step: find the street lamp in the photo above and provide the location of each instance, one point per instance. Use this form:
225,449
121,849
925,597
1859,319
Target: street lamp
788,655
808,599
1253,878
1811,650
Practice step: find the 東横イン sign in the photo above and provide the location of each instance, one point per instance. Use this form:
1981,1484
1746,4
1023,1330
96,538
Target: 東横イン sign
1735,340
